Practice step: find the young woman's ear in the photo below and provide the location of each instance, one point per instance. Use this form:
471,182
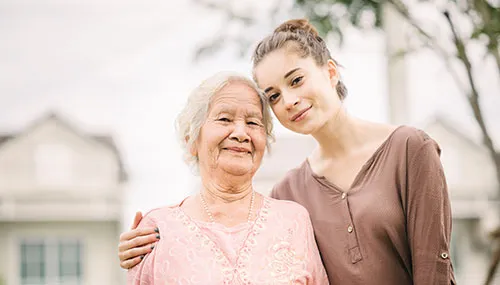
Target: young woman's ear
332,72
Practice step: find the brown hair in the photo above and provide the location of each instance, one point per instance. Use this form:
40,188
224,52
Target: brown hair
305,41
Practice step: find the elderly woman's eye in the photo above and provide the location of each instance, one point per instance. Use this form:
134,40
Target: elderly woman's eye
253,123
297,80
223,119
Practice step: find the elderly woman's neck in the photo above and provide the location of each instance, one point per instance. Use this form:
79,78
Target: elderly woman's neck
225,193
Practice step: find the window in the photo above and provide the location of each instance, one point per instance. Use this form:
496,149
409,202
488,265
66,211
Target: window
54,164
69,260
33,263
51,262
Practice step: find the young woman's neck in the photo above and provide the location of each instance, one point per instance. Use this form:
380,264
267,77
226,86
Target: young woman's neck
339,135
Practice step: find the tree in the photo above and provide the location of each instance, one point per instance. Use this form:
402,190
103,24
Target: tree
332,16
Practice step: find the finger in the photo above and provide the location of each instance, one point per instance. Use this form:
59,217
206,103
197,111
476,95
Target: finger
137,252
137,233
138,242
137,220
127,264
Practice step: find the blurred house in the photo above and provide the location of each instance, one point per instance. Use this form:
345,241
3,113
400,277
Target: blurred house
60,206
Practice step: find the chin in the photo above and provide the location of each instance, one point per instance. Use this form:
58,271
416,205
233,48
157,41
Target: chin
302,131
305,129
238,169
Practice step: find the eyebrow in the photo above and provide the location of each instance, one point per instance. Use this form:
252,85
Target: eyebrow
290,72
228,110
253,114
286,75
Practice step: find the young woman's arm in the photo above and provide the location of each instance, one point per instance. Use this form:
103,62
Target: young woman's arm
136,243
144,272
428,215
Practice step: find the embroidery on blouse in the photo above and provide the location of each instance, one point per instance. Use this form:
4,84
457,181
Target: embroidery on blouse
239,269
286,266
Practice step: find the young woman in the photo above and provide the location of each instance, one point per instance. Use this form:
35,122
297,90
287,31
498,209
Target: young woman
376,193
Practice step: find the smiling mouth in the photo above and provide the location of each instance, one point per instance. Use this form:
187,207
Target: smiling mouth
238,150
296,116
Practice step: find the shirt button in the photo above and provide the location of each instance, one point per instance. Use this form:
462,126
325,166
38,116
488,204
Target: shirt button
444,255
344,195
350,229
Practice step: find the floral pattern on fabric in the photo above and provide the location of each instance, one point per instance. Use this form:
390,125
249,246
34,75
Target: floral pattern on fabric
277,248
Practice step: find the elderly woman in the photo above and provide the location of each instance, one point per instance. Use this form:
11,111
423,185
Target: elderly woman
227,233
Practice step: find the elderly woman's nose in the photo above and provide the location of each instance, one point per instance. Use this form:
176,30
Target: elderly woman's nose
239,132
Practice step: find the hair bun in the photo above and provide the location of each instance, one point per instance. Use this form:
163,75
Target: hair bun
296,25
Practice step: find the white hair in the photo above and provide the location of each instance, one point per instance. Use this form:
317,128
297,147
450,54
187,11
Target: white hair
193,115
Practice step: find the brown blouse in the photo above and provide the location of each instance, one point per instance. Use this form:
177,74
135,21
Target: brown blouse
393,226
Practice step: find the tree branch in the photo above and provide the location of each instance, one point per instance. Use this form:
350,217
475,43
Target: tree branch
403,10
494,265
225,8
429,41
474,103
222,36
483,8
474,94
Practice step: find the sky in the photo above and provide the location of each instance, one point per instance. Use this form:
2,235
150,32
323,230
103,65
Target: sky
125,68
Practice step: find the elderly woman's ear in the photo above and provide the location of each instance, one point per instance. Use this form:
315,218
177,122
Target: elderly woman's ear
192,149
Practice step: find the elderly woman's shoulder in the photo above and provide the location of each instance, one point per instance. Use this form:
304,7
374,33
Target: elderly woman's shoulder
161,213
288,207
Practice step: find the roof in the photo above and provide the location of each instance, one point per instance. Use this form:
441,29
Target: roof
105,140
454,130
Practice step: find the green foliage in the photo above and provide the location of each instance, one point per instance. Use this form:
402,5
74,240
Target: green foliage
331,16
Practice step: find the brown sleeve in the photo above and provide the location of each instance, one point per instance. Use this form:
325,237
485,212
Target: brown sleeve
428,215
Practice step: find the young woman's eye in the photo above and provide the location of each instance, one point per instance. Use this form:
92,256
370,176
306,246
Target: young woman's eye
274,97
297,80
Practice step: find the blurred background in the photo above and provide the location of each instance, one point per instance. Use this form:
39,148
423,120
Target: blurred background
89,91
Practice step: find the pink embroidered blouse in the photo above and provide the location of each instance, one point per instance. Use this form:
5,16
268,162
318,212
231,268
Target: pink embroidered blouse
277,248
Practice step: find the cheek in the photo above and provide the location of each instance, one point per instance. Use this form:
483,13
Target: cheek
259,141
280,112
311,91
210,140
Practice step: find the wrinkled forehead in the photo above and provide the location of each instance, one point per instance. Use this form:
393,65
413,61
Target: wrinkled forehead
237,96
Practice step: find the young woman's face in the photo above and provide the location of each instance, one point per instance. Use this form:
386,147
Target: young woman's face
301,94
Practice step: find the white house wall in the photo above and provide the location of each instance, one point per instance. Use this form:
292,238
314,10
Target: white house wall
100,263
468,166
95,168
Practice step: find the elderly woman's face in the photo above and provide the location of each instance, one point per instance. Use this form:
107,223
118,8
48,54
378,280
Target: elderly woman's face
233,137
